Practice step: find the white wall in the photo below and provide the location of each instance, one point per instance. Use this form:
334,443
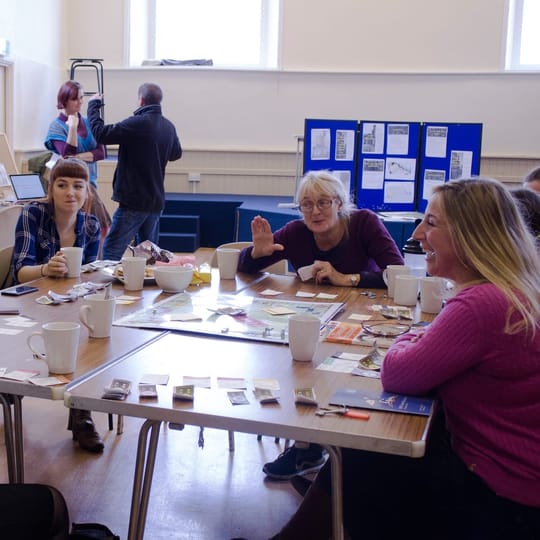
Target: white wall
393,35
35,31
418,60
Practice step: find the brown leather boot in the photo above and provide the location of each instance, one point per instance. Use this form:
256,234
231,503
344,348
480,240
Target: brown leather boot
84,432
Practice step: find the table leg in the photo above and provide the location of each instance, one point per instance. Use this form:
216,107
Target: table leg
334,454
13,437
8,437
18,431
142,481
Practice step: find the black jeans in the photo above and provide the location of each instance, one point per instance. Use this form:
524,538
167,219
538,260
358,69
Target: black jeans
432,498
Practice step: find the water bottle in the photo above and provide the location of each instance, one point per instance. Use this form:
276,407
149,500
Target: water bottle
415,257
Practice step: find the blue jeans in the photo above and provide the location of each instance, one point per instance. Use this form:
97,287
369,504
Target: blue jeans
128,225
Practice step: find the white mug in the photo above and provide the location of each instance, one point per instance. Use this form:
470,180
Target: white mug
61,341
227,262
304,331
97,314
432,294
73,257
133,268
389,275
406,290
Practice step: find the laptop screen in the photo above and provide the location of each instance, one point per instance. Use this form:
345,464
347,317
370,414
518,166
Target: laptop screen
27,187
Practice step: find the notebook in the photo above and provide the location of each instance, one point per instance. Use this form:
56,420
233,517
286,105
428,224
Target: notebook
27,187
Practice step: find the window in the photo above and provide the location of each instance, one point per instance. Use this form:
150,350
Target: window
523,42
232,33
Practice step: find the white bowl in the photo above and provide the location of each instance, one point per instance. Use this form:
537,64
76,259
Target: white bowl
173,278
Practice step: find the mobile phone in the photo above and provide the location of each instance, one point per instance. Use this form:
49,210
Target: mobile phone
18,290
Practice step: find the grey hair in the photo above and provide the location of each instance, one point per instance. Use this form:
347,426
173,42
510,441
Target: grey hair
317,183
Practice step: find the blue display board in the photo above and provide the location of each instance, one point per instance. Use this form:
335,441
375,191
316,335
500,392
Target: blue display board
387,165
331,144
449,151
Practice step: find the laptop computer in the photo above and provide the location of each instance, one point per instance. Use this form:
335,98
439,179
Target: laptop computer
27,187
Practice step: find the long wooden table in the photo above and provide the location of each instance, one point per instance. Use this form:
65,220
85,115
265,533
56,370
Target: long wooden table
94,354
181,354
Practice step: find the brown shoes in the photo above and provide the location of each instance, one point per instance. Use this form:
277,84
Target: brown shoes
84,432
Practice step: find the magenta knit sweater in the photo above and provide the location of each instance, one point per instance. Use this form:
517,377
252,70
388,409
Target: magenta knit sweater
488,383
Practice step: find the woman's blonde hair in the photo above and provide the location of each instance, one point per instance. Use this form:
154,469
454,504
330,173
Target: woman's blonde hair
490,237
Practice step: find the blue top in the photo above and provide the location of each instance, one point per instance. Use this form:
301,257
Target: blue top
58,133
37,239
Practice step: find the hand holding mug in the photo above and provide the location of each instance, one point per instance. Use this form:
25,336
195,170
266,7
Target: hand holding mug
57,265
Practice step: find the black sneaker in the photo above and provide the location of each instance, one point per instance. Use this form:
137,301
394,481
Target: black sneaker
295,461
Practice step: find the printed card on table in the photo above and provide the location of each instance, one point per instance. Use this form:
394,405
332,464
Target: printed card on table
263,395
147,390
184,393
306,396
238,398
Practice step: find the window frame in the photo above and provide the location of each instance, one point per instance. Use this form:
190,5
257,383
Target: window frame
514,39
144,31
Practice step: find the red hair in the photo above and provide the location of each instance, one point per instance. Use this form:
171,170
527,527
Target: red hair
69,90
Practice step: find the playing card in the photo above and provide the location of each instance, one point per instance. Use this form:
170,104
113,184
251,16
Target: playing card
306,272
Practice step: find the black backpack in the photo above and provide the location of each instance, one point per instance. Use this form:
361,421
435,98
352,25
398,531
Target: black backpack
91,531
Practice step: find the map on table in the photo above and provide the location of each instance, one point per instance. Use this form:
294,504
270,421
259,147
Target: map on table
261,319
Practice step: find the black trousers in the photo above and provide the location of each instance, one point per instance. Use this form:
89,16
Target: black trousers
432,498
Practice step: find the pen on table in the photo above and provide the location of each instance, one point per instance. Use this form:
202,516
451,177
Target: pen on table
10,311
357,415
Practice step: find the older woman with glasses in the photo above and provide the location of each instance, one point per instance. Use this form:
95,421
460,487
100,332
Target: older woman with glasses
344,247
347,247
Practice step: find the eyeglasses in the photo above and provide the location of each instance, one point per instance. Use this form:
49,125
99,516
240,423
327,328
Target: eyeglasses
308,206
386,329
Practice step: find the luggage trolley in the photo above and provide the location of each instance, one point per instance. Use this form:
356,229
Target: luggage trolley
89,63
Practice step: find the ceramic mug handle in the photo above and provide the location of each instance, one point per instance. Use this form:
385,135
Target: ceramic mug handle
29,340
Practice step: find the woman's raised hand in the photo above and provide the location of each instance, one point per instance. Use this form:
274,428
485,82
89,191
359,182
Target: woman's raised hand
263,239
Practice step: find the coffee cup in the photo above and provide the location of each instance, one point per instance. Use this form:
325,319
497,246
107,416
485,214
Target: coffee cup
406,289
133,268
304,331
97,314
73,256
61,343
389,275
432,293
227,262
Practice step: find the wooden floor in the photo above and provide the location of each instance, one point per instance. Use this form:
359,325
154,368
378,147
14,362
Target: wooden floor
197,494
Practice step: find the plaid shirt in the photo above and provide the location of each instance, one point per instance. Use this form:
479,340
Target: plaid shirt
37,239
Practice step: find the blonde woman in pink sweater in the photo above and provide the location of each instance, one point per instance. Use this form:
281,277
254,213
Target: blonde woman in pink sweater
480,477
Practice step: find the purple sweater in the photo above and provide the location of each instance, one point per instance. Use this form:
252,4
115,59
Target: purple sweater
367,250
489,386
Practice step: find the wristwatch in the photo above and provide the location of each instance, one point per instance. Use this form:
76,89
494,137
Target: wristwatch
355,279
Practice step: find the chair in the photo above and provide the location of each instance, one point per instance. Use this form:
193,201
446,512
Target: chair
9,215
5,263
280,267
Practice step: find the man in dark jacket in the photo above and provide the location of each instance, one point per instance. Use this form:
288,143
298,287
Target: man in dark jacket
147,142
